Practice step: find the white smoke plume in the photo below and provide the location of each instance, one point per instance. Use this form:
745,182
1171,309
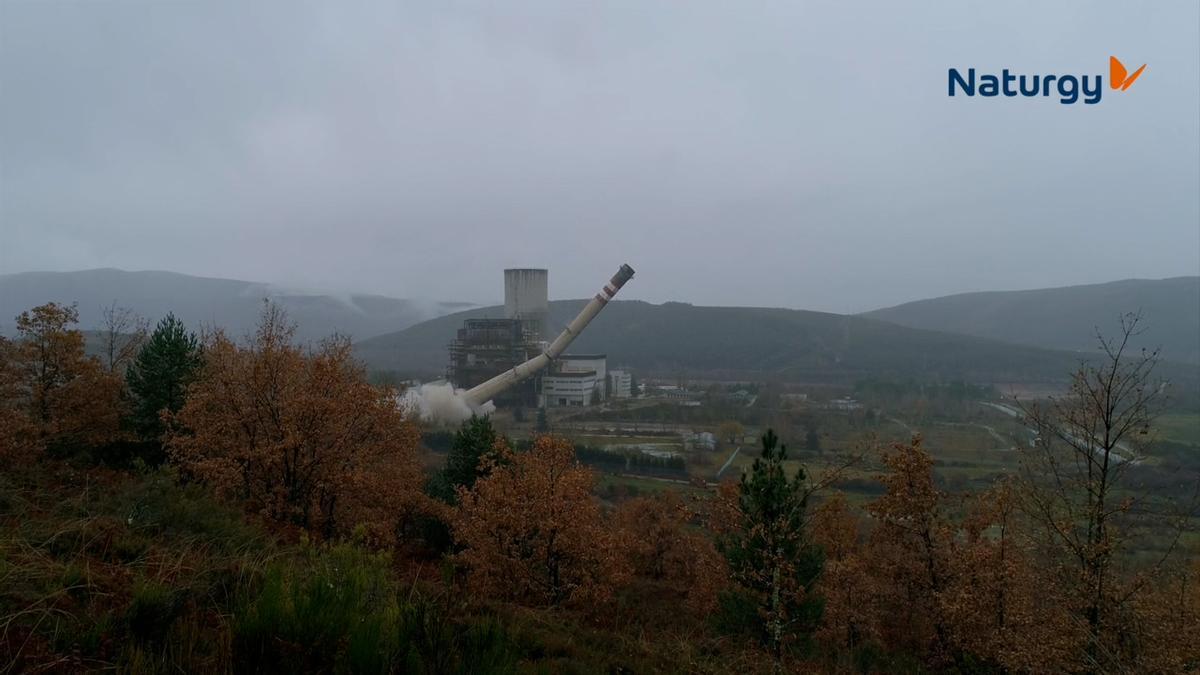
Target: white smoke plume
441,403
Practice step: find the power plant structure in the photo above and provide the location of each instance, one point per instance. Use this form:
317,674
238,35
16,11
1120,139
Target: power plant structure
483,348
501,360
526,299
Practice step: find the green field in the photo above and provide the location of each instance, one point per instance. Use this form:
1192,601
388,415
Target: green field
644,485
1179,427
606,440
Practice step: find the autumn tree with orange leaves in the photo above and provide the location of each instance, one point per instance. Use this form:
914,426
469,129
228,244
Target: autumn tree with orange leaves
668,551
957,591
1167,613
531,532
298,434
912,543
847,619
56,396
15,425
1000,609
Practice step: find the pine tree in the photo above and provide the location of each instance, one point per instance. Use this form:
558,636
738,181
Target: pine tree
159,376
812,440
474,440
769,552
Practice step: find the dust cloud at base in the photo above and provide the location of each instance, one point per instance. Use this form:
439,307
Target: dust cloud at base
440,403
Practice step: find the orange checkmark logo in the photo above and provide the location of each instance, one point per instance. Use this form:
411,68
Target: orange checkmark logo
1119,77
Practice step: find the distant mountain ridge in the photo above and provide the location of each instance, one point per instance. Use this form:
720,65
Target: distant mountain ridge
231,304
744,342
934,339
1067,317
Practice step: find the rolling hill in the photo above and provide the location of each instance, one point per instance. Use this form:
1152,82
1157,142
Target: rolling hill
921,340
233,305
734,342
1067,318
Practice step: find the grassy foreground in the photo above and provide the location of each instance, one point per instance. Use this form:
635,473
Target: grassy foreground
108,570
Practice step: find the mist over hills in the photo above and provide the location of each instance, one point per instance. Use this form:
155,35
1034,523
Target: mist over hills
1067,317
713,342
231,304
983,337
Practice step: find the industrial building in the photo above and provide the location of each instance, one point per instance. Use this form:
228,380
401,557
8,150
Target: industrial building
597,364
570,389
526,299
576,380
486,348
620,384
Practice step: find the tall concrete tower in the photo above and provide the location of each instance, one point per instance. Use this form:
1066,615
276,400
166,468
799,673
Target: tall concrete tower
526,297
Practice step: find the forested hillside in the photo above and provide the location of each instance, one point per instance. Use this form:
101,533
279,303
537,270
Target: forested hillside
683,339
1067,318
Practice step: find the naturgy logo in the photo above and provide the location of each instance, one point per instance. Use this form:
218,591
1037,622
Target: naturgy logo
1069,88
1117,74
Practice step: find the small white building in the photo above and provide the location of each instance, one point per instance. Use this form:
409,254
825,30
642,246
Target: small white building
679,395
585,363
567,389
620,384
844,403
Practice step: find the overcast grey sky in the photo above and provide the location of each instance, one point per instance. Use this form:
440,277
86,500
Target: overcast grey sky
799,154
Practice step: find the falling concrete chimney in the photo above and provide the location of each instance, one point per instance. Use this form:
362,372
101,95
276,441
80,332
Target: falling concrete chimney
481,394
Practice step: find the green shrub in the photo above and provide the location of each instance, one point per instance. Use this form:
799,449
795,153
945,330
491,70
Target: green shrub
84,635
128,547
487,647
75,581
370,646
737,614
305,608
158,505
152,611
338,610
427,641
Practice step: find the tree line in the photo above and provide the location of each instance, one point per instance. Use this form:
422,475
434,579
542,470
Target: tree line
1041,573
